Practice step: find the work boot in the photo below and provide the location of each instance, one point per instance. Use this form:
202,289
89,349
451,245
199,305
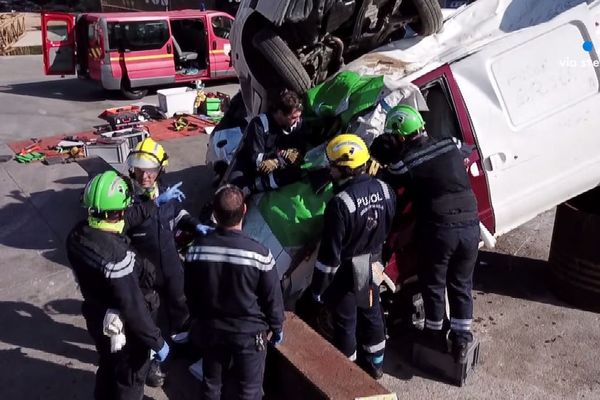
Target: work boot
155,377
460,342
434,339
375,371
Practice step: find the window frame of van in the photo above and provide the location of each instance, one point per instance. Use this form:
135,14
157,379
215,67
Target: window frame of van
122,44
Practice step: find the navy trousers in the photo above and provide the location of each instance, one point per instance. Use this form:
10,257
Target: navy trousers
352,324
120,375
235,359
447,256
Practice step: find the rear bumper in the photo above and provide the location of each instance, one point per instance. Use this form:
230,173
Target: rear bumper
108,81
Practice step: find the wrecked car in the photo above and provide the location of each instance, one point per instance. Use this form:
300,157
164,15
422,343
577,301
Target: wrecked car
299,43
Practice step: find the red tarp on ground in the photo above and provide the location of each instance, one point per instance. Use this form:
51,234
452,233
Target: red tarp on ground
159,130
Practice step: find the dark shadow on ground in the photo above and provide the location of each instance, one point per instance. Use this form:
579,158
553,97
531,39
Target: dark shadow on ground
24,377
28,326
517,277
68,89
80,90
41,221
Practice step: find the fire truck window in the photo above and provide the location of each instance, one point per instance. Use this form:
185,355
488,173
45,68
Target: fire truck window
222,26
134,36
58,31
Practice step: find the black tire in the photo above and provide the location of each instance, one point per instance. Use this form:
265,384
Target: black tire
283,60
430,16
132,93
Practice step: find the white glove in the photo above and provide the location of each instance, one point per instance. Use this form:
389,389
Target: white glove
117,342
112,324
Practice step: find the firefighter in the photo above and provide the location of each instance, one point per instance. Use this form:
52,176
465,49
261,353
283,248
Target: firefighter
154,239
357,221
117,288
272,146
234,296
447,227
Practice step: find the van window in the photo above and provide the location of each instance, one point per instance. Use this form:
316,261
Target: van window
440,121
138,35
58,31
222,26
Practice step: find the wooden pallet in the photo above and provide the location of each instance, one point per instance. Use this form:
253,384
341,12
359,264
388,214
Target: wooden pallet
12,26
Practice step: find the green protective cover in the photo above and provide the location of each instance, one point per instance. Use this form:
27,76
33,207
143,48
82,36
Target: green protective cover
295,213
346,95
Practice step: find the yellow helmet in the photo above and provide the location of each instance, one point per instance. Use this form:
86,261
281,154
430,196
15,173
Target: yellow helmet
147,155
348,150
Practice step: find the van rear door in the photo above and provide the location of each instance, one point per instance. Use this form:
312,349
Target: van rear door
534,99
220,47
58,43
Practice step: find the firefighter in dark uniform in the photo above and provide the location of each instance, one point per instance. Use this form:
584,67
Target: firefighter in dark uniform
357,221
447,228
272,146
154,238
117,285
234,295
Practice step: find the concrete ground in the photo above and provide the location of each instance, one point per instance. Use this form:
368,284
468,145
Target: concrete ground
533,346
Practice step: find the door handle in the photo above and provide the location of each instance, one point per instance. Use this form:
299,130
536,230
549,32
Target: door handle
214,45
169,49
497,161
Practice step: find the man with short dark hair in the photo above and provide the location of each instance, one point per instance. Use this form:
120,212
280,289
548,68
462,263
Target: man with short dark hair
272,147
233,293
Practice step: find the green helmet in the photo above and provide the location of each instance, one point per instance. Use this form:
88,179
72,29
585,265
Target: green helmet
106,192
403,120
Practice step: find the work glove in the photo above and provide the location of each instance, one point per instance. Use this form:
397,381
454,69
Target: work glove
276,338
170,194
204,229
290,156
162,354
373,167
112,324
112,327
268,166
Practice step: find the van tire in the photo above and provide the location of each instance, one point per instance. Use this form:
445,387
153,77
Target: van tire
430,17
132,93
283,60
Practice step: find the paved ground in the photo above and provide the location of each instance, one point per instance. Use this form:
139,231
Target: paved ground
533,345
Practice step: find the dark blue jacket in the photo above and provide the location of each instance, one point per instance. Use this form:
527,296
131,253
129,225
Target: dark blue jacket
154,239
232,285
357,221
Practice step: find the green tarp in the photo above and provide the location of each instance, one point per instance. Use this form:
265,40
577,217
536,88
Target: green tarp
295,213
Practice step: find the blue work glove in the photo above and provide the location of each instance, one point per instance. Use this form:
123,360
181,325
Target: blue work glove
204,229
170,194
276,338
162,354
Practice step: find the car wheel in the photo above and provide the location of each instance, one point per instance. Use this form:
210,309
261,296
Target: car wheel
430,16
283,60
132,94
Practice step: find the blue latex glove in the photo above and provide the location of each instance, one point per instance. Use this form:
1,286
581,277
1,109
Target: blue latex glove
170,194
162,354
276,338
204,229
